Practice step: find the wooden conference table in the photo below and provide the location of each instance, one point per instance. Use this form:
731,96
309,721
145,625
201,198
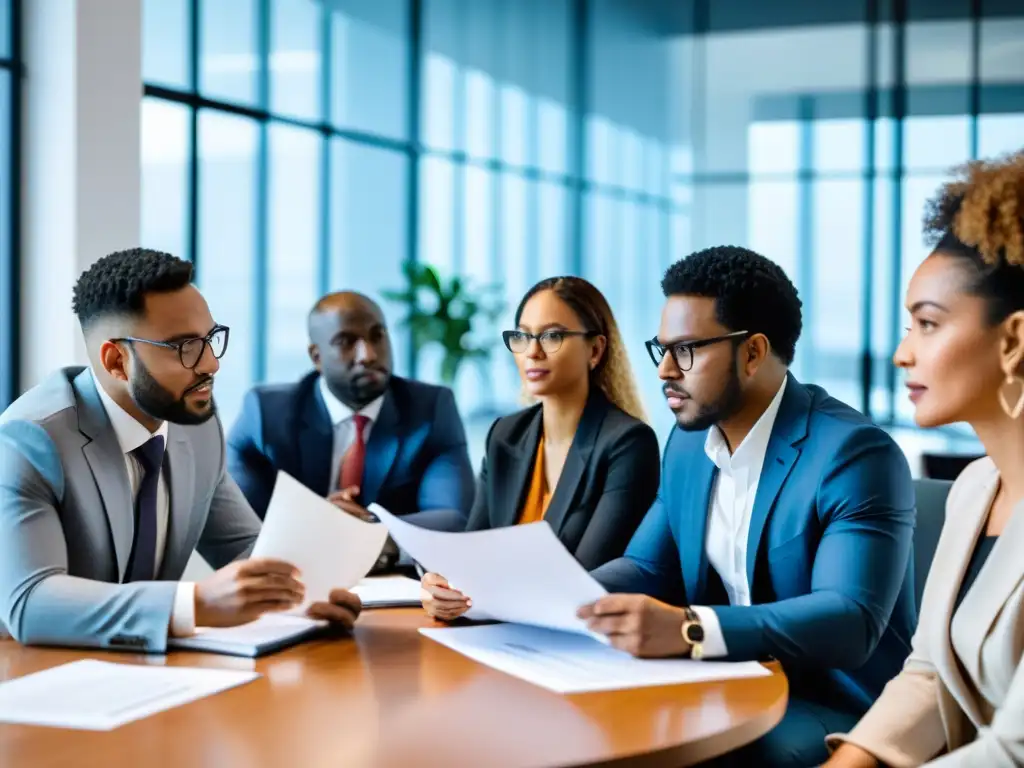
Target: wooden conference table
390,697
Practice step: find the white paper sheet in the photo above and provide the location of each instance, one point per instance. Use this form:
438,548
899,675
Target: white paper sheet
566,662
520,574
100,695
388,592
266,634
331,548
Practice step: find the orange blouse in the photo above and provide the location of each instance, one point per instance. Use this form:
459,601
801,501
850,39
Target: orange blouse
538,496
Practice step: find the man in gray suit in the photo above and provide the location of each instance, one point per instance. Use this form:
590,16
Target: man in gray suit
111,475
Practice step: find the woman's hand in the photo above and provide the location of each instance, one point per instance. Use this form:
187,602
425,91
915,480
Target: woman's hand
851,756
440,601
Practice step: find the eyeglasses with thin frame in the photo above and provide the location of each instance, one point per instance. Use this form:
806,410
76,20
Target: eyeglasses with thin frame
550,341
682,352
191,351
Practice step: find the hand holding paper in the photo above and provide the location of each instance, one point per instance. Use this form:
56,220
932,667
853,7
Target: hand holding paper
246,589
550,585
332,550
637,624
441,600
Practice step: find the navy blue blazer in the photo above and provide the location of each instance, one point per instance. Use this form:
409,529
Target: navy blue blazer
828,556
417,464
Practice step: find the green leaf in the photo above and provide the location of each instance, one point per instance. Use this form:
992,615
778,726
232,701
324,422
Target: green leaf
431,280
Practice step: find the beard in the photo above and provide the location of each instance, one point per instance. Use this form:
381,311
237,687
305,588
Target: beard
726,405
158,403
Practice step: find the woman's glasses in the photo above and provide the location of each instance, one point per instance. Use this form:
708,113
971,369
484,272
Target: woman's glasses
550,341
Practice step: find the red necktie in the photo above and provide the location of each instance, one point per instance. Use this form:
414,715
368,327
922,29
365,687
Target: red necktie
352,463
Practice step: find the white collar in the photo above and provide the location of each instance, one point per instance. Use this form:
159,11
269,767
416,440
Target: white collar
340,412
752,450
130,433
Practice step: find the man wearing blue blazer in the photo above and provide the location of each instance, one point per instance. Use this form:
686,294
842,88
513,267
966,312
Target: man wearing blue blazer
353,432
782,528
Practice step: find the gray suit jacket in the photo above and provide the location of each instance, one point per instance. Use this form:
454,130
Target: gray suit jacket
67,520
959,701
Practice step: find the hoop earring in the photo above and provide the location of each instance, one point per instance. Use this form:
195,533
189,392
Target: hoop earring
1018,407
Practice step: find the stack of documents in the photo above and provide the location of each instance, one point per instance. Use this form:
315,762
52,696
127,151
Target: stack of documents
331,548
568,662
100,696
388,592
270,632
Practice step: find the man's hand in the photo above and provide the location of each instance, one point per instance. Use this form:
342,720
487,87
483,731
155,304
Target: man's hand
243,591
440,600
637,624
342,609
345,500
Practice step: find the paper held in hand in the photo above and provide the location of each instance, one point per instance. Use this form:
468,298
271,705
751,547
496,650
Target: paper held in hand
521,574
331,548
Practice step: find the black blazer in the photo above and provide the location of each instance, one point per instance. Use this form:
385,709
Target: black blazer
609,480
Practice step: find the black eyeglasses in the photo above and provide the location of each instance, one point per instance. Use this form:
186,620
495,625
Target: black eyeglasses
191,351
682,352
550,341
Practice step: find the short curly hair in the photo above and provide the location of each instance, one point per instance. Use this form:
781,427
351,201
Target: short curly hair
117,284
751,293
979,216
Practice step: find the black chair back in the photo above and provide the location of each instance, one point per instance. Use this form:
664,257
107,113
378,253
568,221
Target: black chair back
946,466
931,514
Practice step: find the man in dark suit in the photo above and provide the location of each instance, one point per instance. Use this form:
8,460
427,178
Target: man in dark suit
353,432
783,525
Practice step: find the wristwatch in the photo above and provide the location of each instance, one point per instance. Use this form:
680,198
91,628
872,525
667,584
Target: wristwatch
693,633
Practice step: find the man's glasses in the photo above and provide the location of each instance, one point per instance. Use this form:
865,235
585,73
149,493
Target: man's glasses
191,351
682,352
550,341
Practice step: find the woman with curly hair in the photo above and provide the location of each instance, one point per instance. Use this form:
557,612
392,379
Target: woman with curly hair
582,458
959,700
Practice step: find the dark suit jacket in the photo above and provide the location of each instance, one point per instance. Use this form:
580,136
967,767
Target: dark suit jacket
608,482
828,556
417,464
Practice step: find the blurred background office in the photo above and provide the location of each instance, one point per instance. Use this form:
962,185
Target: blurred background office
292,147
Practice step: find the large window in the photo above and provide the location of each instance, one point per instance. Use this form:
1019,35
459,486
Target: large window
291,147
826,168
10,85
275,156
542,159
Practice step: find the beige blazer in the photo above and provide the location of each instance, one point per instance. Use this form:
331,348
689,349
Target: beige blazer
959,701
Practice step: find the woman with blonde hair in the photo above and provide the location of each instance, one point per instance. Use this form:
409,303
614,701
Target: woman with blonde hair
582,457
959,700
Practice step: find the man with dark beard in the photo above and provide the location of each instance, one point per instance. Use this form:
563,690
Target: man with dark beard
783,525
112,474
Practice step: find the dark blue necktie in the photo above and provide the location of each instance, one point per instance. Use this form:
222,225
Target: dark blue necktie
143,561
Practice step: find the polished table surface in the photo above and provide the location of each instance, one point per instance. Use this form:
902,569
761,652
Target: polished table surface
391,697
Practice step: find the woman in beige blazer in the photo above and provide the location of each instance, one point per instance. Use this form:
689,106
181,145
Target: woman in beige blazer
959,700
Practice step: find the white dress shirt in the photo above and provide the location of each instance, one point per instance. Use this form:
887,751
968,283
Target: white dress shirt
345,428
732,502
131,435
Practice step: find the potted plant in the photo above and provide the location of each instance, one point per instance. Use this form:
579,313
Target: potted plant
447,313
